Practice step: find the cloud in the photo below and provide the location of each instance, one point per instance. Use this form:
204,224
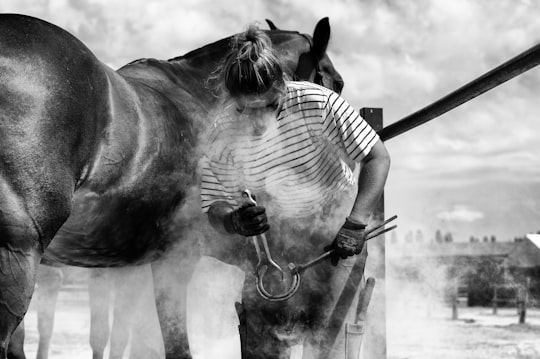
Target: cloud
460,213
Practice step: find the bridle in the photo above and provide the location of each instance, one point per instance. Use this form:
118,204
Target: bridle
318,78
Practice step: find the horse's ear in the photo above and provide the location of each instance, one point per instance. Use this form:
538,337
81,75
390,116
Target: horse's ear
271,25
321,36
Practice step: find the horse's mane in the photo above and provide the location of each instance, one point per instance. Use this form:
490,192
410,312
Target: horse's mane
212,47
216,46
223,43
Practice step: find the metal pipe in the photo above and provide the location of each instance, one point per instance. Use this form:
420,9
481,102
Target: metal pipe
508,70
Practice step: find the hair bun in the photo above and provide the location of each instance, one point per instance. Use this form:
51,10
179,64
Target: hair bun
252,34
251,67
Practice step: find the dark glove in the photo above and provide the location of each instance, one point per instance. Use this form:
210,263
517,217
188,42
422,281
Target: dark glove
349,241
247,220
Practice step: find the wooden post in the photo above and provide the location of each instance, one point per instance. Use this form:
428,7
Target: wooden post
374,344
523,301
495,299
455,299
521,309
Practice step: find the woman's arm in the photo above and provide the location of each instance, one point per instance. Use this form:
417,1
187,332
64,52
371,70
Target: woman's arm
373,174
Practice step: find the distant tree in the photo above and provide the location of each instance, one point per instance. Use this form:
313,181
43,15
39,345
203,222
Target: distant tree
486,273
493,239
485,239
393,238
472,239
438,236
448,237
419,236
409,237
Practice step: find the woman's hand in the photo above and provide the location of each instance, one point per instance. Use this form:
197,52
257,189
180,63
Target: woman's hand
247,220
349,241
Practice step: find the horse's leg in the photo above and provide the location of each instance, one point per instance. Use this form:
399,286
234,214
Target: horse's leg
18,265
258,338
16,344
146,341
26,227
49,281
126,300
214,289
19,259
99,298
171,276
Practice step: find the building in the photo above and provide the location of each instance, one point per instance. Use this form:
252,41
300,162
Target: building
473,270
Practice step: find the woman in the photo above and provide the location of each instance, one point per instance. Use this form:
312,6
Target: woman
295,145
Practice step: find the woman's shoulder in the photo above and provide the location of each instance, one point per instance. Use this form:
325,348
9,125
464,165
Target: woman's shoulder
306,86
307,89
304,91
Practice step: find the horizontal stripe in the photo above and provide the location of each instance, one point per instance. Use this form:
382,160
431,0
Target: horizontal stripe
298,161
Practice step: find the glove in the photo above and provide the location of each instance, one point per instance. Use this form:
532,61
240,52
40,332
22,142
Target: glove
247,220
349,241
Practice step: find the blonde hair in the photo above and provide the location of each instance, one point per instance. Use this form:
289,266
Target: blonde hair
251,67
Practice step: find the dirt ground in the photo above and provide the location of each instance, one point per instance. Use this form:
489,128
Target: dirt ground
414,332
477,334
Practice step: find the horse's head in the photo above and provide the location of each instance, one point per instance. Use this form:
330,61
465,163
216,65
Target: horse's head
305,56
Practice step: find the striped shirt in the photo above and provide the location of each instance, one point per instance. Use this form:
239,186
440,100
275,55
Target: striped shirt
301,163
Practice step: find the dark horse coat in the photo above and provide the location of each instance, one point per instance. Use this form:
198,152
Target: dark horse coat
98,167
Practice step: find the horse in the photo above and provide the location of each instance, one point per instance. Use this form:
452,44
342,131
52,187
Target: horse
98,168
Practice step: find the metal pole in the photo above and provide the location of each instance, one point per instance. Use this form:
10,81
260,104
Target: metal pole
508,70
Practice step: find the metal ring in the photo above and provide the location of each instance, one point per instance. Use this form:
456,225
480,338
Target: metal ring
279,297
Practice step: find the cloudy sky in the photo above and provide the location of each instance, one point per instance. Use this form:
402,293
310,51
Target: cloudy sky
474,171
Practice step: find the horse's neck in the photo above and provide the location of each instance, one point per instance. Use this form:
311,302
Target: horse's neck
187,77
178,80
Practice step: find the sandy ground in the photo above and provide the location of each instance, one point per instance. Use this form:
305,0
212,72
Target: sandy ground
414,332
71,330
